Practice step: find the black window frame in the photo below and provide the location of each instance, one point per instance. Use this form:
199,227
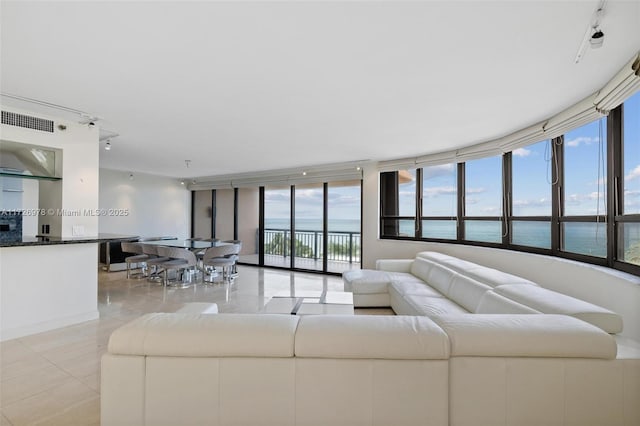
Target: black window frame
612,218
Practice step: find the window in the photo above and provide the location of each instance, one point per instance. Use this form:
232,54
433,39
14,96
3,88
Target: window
576,196
483,200
531,195
439,202
583,223
629,225
398,203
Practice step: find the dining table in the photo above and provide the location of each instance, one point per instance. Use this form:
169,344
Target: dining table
196,245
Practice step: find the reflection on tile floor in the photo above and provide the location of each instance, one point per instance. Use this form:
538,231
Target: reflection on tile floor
53,378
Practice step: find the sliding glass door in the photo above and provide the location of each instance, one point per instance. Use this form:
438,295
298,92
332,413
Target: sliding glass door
277,226
343,226
309,214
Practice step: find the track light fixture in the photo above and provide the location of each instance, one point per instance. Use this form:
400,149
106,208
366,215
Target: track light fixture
107,146
593,36
597,38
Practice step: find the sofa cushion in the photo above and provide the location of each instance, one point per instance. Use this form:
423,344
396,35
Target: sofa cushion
405,277
466,292
451,262
494,278
440,278
366,281
421,268
196,335
489,276
551,302
493,303
433,306
525,336
416,288
382,337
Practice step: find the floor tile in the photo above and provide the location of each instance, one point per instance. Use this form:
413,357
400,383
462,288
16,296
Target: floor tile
48,404
85,413
30,384
53,378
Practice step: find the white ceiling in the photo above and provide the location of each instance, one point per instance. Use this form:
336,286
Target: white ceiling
248,86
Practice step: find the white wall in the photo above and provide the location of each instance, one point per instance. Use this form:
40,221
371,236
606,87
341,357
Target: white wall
224,214
45,287
78,189
154,205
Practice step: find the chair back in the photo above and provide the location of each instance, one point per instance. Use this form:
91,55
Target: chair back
178,253
150,249
221,251
130,247
238,243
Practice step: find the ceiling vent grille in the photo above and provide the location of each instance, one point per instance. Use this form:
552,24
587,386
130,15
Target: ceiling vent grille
21,120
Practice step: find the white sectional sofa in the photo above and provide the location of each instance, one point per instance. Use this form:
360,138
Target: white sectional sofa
459,369
435,284
471,346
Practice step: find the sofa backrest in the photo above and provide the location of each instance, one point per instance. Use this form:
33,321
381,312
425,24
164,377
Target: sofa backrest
489,276
547,336
467,292
195,335
492,303
378,337
551,302
433,273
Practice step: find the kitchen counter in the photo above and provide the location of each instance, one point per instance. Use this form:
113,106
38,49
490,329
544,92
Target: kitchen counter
48,240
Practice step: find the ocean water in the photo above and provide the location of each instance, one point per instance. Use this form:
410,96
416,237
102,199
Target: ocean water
335,225
584,238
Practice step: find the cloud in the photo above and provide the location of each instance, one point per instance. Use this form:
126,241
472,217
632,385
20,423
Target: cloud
439,190
441,170
633,174
631,194
475,190
581,140
496,210
532,203
521,152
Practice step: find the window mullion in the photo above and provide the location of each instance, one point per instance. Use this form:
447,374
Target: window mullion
507,193
557,194
461,201
614,180
418,222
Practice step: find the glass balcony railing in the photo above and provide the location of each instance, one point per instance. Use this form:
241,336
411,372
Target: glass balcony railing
341,246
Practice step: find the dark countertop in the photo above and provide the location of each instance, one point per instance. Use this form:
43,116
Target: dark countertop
46,241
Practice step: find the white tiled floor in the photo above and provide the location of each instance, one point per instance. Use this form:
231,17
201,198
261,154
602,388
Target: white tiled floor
53,378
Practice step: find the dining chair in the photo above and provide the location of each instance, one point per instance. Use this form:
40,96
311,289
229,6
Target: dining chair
223,257
179,260
234,269
138,258
154,262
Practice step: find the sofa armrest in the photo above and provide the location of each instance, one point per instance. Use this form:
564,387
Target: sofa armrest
394,265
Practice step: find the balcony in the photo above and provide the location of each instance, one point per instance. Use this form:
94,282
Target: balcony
343,250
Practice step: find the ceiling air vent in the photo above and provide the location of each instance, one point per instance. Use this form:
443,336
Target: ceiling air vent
21,120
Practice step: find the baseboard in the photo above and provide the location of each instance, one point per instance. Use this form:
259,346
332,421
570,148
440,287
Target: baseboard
14,333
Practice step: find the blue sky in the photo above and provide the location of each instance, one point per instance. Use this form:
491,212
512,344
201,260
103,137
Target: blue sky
344,202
